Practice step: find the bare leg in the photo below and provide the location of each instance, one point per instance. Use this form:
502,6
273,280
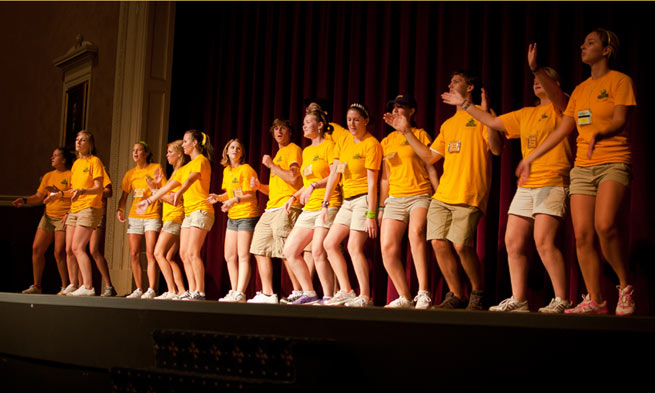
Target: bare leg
391,234
151,240
80,241
42,240
60,257
545,230
97,248
135,258
517,237
356,244
447,261
582,214
293,250
243,249
332,244
325,273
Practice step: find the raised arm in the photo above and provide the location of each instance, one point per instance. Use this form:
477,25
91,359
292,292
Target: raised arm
552,89
400,123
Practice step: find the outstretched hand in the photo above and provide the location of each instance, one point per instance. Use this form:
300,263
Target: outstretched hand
397,121
532,57
484,100
454,98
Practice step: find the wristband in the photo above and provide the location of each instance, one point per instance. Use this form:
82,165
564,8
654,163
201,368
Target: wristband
380,207
326,204
371,214
62,193
24,200
238,199
293,197
313,185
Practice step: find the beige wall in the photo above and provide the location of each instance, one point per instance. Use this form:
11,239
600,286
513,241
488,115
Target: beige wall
32,35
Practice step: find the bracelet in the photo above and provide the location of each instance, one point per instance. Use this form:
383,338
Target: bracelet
380,207
313,185
238,199
293,197
62,193
24,199
148,201
326,204
371,214
465,104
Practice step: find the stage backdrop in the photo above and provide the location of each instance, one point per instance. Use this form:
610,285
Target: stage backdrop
238,66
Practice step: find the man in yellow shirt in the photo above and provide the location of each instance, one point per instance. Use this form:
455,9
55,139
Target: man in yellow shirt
461,197
275,224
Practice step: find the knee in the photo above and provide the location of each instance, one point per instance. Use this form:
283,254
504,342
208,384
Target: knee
134,256
605,229
514,246
389,251
319,256
330,246
461,249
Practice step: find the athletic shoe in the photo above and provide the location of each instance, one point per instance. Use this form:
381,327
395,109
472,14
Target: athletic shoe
626,304
150,294
82,291
322,301
263,298
108,292
588,306
340,298
451,302
359,301
183,296
295,295
61,292
166,296
238,297
308,297
556,306
69,289
33,289
401,302
512,305
136,294
475,300
195,296
422,300
227,298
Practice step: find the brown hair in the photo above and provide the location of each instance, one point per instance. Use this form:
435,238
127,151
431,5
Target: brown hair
609,39
282,124
225,161
204,144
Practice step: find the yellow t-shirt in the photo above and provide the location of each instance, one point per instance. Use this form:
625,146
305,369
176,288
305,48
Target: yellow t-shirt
601,96
358,157
236,182
62,180
316,166
533,124
339,135
407,173
171,212
135,181
195,197
106,181
279,191
84,172
463,142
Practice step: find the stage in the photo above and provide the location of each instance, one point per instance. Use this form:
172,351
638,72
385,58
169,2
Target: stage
51,343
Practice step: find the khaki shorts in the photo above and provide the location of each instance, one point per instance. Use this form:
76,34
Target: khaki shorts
401,207
353,213
456,223
199,219
52,224
103,221
171,227
311,219
541,200
89,217
139,226
586,179
271,232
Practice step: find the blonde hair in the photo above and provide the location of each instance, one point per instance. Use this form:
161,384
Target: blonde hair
177,146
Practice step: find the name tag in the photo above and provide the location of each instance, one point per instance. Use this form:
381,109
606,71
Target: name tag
390,156
138,192
584,117
341,167
532,141
306,171
454,147
238,192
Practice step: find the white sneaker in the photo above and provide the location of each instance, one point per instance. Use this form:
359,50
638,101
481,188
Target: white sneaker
359,301
82,291
150,294
423,300
227,298
69,289
262,298
136,294
511,305
238,297
183,296
401,302
295,295
556,306
166,296
340,298
108,292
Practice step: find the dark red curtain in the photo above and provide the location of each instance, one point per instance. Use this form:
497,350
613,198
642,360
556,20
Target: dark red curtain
237,66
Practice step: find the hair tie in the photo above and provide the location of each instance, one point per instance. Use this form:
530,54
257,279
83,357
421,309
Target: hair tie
204,138
144,144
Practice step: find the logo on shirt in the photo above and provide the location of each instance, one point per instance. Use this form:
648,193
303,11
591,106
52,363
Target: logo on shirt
316,158
86,170
64,182
357,156
543,116
406,142
603,94
471,123
279,159
235,180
